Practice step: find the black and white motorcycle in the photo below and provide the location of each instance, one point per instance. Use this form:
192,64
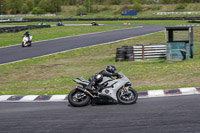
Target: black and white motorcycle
26,42
109,90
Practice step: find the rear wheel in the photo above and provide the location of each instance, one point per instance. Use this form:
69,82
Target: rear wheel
127,97
78,99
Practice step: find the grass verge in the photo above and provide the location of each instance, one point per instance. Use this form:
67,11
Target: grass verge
54,74
146,22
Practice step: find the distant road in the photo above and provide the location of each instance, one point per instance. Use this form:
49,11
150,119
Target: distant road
17,53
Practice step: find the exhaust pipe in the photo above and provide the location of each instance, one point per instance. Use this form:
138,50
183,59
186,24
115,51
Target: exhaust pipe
80,89
84,90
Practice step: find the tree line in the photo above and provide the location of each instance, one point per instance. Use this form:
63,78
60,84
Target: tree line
54,6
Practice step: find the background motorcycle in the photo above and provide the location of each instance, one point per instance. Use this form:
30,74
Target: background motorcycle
25,41
60,24
109,90
94,24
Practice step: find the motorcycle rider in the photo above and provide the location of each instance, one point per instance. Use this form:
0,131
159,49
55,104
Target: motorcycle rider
97,78
94,23
110,71
27,34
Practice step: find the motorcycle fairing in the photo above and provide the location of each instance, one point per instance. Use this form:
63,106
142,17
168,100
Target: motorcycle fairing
102,99
115,85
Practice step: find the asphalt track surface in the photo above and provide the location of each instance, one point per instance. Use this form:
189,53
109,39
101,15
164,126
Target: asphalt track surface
178,114
16,53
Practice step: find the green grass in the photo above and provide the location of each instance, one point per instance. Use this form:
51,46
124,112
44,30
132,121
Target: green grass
54,74
7,39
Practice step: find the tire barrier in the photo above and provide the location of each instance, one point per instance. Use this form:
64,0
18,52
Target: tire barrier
138,52
125,53
193,21
21,28
9,21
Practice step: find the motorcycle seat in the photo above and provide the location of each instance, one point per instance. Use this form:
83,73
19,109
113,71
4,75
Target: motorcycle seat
83,80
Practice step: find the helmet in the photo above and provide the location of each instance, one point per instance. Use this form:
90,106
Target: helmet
26,30
98,77
111,69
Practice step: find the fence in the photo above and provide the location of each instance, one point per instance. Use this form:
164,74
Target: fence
138,52
21,28
176,13
149,51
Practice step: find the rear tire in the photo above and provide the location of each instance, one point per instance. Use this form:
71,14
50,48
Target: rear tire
123,99
75,101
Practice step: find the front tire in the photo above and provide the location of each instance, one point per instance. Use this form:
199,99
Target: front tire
23,44
78,99
29,44
127,98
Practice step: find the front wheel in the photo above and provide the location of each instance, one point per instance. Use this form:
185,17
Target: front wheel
78,99
23,44
29,44
127,97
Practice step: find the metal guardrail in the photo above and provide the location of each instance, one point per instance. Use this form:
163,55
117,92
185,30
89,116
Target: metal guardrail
149,51
176,13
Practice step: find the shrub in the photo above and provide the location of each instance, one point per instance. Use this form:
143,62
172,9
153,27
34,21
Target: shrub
193,7
38,10
137,6
181,6
81,11
155,7
105,8
25,8
95,9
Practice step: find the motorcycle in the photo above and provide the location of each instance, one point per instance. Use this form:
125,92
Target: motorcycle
26,42
94,24
60,24
107,91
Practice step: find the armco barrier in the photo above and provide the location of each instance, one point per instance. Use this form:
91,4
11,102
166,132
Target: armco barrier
175,13
110,19
149,51
21,28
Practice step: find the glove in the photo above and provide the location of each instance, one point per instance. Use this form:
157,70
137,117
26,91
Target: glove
119,76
